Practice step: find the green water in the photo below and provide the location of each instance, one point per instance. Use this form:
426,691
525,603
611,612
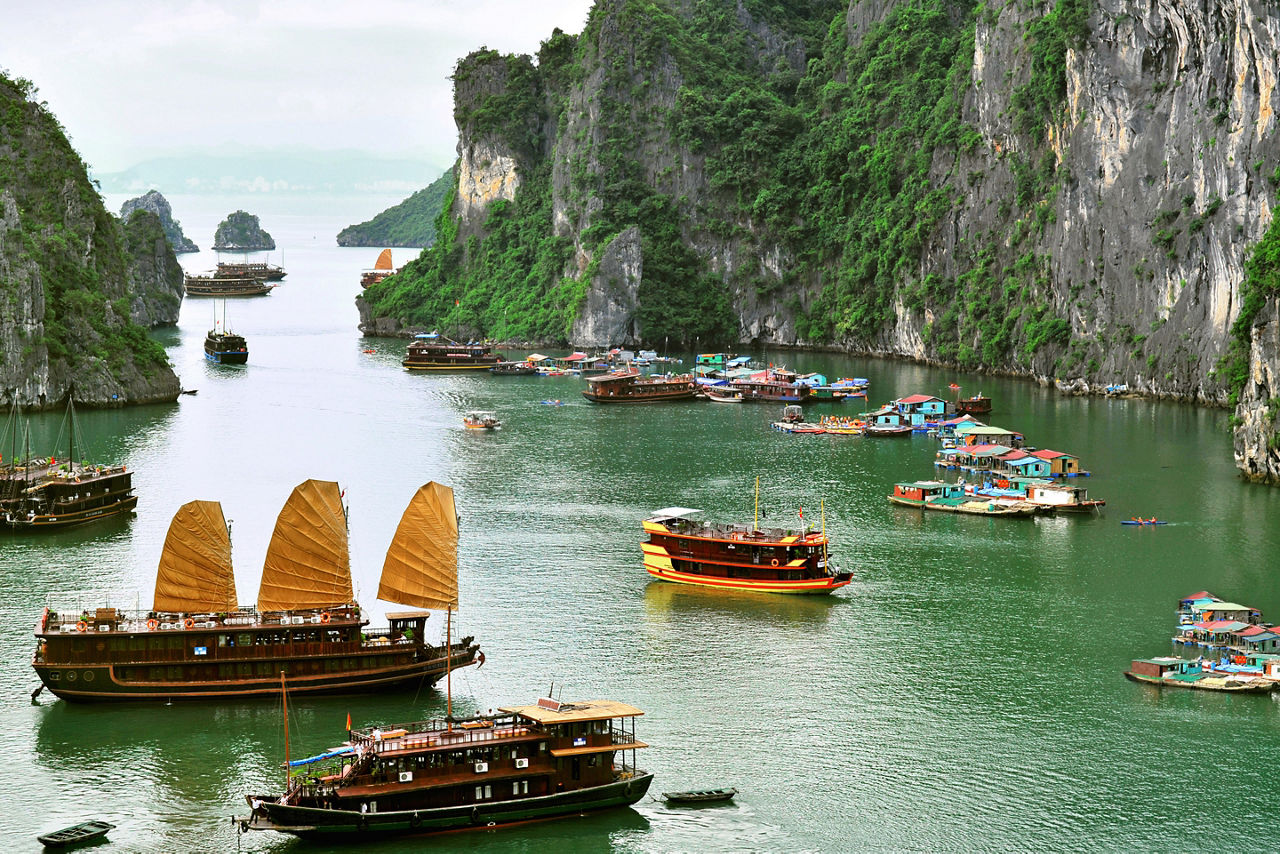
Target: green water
963,693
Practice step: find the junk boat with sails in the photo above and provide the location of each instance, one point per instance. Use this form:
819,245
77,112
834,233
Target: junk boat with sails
382,269
196,643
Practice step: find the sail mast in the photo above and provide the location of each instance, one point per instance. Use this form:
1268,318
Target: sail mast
284,700
755,523
448,667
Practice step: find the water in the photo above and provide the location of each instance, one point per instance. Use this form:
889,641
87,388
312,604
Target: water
963,693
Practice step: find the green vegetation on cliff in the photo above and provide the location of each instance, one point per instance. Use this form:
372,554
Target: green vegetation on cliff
839,154
241,230
66,257
411,223
1261,283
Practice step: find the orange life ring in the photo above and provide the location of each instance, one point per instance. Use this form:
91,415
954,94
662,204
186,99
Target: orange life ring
82,626
188,623
324,618
775,561
152,625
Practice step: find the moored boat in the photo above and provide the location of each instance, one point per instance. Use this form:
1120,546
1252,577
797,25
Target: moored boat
722,394
431,352
382,269
225,348
627,386
523,763
78,834
1173,672
513,369
951,498
700,796
196,642
683,549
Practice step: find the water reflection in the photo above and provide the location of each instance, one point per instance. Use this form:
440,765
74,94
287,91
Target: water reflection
666,602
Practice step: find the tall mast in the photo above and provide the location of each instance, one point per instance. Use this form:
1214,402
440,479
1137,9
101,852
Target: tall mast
284,700
822,507
755,522
71,430
448,668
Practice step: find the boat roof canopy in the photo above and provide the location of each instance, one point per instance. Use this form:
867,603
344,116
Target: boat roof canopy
551,712
672,513
408,615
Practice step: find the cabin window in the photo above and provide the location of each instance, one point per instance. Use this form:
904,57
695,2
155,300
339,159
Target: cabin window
520,787
542,747
155,674
245,639
78,646
174,641
137,644
484,792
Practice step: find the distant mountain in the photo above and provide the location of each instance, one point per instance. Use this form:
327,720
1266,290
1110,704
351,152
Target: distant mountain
272,171
410,223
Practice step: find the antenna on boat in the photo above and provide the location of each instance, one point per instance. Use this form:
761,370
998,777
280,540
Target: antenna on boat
755,523
822,509
448,667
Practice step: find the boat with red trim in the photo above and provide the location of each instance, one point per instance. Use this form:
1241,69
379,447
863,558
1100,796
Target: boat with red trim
196,643
431,352
686,550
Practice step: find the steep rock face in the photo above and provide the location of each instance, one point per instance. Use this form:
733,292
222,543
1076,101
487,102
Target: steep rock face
157,204
1257,439
608,316
67,279
155,276
241,232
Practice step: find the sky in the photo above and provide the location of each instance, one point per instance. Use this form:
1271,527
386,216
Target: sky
135,79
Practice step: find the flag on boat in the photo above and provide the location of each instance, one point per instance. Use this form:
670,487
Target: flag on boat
348,722
800,513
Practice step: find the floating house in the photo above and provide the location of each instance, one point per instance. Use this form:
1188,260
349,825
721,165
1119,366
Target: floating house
920,409
1061,464
1021,464
985,434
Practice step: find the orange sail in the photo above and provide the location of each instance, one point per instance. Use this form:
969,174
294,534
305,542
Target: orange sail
308,565
195,574
384,261
421,569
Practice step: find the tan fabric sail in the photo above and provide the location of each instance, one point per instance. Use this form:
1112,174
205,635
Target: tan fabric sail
384,260
195,574
307,564
421,569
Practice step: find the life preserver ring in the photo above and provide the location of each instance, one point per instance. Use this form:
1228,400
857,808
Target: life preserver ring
82,626
415,820
475,815
774,561
152,625
324,618
188,623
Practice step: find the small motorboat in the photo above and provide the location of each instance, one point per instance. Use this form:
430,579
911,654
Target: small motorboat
1137,521
481,420
700,796
77,834
552,403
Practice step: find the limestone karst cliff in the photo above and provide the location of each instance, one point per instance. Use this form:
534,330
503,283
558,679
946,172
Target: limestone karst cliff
73,279
156,203
1065,190
241,232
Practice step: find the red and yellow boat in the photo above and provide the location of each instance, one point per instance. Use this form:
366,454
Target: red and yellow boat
686,550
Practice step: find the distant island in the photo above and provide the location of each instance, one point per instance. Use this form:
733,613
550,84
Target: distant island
241,232
412,223
157,204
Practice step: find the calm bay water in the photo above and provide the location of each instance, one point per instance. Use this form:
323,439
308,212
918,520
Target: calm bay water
963,693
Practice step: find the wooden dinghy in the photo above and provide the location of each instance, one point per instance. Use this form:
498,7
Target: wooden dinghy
78,834
700,796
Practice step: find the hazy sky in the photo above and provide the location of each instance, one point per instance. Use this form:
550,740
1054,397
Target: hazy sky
133,79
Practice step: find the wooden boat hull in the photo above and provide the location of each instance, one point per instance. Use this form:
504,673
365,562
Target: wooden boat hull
310,822
971,508
57,521
240,289
707,796
1207,683
79,834
99,683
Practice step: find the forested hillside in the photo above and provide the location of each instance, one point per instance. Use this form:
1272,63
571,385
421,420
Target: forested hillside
412,223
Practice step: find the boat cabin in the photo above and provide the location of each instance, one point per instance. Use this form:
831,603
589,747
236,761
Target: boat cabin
923,490
921,407
1167,667
1060,464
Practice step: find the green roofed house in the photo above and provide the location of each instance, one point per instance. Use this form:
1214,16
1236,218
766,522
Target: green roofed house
984,434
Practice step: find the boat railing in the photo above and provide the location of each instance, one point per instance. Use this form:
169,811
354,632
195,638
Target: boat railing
438,733
65,617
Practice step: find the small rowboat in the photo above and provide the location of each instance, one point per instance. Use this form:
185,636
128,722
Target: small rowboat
702,796
1142,522
76,834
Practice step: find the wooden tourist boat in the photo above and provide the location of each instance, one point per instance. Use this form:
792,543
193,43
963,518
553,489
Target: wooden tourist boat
481,420
225,348
225,286
513,369
250,270
722,394
44,494
77,834
773,391
685,550
627,386
196,643
382,269
523,763
978,404
951,498
700,796
1173,672
430,352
